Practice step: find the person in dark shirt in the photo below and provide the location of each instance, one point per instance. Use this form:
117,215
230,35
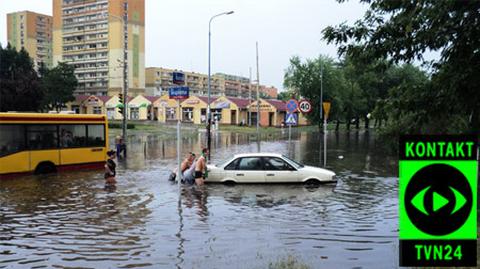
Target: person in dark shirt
110,166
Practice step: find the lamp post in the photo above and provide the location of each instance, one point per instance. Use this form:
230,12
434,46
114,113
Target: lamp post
124,19
209,115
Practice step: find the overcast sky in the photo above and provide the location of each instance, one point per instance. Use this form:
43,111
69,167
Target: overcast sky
176,32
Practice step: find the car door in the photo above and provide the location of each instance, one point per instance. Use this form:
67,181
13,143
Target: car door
279,171
246,170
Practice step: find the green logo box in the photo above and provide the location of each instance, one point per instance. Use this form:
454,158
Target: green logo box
438,200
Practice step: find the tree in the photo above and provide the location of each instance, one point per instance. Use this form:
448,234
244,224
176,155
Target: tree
402,31
409,93
19,83
264,95
58,84
285,95
305,78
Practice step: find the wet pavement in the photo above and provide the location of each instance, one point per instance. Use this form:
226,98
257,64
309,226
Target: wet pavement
73,220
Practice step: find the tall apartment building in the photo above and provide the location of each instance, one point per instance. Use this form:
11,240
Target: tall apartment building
92,36
158,80
32,31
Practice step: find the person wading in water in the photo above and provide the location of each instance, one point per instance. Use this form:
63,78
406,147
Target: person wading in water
110,167
201,168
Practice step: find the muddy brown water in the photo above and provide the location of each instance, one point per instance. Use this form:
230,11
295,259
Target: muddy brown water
71,220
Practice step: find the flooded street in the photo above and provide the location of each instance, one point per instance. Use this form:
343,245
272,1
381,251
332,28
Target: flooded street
71,220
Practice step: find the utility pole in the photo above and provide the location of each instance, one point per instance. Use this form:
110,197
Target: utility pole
125,72
258,94
209,114
250,97
321,92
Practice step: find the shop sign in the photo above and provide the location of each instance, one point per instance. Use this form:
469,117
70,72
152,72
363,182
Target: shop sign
192,102
163,103
92,101
222,104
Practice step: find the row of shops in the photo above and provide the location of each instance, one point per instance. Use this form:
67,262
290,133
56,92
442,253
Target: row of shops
226,110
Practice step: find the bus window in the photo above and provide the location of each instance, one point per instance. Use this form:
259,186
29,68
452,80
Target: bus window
96,135
73,135
42,136
12,139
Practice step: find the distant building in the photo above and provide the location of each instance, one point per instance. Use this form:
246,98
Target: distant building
271,91
89,34
159,79
32,31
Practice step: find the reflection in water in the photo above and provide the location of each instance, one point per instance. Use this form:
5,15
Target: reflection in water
181,240
74,220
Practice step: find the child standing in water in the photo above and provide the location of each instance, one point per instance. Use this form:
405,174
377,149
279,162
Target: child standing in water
110,166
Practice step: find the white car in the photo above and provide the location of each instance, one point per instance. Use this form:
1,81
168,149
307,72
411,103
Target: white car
266,168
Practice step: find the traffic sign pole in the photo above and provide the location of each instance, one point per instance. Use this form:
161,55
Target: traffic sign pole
179,169
290,140
325,141
326,107
179,93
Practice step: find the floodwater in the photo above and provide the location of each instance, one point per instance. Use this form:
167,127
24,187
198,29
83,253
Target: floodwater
71,220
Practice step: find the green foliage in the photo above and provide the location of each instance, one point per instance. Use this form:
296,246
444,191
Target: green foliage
305,79
402,31
19,83
285,95
408,96
119,125
58,85
264,95
21,88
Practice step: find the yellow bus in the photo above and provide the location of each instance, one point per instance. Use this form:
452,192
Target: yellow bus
43,143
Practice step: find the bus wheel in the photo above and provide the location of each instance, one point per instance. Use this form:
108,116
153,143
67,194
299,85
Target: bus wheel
45,168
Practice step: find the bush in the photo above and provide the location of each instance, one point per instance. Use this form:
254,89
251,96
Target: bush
119,126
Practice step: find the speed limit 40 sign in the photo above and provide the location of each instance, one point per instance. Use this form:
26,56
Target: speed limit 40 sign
305,106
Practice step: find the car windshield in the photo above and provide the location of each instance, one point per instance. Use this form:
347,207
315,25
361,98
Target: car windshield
295,163
224,162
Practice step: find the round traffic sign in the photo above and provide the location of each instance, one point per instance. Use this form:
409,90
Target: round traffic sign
292,105
305,106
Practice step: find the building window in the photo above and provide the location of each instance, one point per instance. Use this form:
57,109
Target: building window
187,114
134,113
171,113
76,108
97,110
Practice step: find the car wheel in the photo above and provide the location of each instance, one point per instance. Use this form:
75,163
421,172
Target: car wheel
229,183
312,182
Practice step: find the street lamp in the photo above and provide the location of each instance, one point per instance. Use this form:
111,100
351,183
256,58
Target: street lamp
209,116
125,70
